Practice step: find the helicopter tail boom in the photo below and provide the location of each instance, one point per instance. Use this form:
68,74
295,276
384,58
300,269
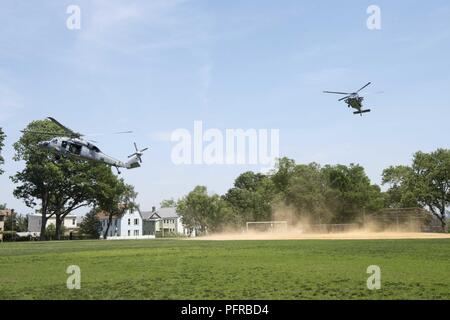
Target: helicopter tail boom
132,163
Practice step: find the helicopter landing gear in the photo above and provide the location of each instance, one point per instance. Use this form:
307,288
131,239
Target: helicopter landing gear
118,171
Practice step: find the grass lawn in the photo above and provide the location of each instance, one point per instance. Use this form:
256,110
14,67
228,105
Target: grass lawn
186,269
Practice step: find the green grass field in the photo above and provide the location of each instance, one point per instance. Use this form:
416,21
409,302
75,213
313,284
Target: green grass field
184,269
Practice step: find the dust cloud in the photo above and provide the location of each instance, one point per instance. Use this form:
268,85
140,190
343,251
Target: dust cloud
297,228
353,235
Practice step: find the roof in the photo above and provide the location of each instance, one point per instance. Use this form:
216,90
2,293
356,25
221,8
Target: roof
40,215
162,213
146,214
6,212
103,215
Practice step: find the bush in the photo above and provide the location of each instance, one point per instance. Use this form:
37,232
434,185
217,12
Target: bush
10,236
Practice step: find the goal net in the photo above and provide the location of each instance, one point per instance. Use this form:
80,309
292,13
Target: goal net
267,226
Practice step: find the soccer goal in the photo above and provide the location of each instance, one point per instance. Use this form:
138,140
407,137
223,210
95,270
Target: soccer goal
267,226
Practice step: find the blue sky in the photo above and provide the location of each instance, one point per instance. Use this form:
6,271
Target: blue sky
156,66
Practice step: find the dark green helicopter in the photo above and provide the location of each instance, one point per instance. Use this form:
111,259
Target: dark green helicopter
352,99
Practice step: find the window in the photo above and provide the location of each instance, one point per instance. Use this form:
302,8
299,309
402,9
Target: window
74,148
136,222
74,221
129,232
129,221
136,232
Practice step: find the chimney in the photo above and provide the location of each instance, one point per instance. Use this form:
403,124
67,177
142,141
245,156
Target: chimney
153,209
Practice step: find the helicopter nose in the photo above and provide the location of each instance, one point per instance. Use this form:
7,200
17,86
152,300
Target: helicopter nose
43,144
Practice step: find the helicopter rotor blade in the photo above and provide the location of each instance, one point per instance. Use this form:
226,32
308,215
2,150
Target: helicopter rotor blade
344,98
41,132
364,87
73,133
105,134
334,92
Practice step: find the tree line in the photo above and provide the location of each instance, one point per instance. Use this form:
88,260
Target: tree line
322,194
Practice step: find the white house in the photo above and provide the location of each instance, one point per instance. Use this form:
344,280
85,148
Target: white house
144,224
165,221
127,226
35,222
3,215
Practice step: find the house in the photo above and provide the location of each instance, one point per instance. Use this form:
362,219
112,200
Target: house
3,215
165,221
144,224
129,225
2,224
35,222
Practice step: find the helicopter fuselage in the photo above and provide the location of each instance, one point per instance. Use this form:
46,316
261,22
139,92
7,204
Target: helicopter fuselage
82,149
355,102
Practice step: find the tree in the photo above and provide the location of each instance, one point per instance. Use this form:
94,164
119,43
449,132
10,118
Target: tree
115,198
426,182
352,192
50,232
200,210
91,225
307,192
2,144
59,185
400,193
16,222
168,203
282,174
251,197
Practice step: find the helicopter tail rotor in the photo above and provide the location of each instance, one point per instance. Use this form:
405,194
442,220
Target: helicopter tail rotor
138,154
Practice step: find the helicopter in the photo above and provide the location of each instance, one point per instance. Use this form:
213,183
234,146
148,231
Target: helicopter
352,99
73,145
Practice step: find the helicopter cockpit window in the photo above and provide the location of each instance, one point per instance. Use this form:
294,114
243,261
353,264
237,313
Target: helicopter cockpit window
54,141
96,149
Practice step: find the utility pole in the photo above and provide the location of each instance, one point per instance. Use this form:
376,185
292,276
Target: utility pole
12,223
